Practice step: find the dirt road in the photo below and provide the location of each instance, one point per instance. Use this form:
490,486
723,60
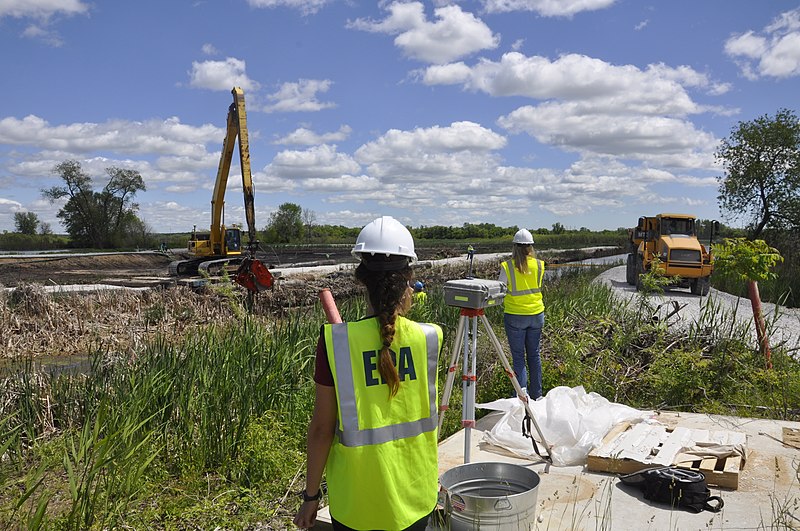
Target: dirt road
783,323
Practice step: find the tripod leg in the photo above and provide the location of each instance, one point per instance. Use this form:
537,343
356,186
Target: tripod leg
469,381
509,371
451,371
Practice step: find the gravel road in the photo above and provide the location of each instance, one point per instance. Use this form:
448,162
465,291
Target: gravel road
784,323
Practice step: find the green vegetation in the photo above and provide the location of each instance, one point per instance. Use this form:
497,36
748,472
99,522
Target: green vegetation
102,220
761,159
209,430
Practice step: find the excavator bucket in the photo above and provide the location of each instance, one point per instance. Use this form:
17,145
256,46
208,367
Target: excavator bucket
254,275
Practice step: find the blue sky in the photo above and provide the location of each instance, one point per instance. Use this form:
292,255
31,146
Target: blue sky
588,113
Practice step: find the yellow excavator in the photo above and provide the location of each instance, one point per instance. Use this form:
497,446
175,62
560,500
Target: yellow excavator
222,246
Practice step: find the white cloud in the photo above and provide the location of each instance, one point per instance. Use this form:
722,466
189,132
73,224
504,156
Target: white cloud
591,106
459,155
8,204
306,7
300,97
209,49
453,35
342,183
775,52
305,137
318,162
571,126
41,9
44,12
578,77
547,8
221,75
167,137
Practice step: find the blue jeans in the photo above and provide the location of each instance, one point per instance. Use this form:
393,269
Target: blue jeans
524,333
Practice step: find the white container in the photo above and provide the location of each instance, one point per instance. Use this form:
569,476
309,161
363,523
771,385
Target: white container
493,496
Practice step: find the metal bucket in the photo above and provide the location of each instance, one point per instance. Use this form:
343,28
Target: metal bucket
498,496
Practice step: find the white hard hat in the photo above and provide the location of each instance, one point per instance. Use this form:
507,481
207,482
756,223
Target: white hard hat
523,237
384,236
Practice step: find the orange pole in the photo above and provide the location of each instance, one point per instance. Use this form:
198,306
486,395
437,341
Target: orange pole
758,316
329,306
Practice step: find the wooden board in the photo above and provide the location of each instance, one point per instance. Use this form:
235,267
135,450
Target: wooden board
629,448
791,437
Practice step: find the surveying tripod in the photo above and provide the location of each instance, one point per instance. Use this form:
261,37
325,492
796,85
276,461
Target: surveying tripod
468,340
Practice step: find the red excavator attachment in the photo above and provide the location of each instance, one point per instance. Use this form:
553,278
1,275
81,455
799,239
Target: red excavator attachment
254,275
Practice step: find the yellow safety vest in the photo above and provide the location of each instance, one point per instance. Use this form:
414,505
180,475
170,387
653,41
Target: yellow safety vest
524,295
382,470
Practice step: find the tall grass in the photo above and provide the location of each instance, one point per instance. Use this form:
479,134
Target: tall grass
174,410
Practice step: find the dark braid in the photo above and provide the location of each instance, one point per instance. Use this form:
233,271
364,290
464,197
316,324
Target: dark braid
388,294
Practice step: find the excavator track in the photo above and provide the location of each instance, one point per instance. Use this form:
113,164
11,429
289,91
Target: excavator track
214,268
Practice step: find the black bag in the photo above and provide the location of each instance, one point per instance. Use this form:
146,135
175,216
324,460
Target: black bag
675,486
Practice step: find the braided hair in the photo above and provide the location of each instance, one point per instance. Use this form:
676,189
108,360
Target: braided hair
387,281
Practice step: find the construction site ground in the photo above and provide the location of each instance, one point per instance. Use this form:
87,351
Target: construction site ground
572,498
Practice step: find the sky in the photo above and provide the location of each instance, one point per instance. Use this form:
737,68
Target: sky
587,113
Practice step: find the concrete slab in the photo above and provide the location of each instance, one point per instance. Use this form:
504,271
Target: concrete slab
571,498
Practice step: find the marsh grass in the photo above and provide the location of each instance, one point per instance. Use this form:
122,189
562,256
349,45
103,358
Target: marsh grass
203,426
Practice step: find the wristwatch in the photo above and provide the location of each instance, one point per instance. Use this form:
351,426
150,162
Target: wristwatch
315,497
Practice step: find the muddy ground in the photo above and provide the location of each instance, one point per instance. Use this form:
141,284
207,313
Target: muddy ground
42,326
97,268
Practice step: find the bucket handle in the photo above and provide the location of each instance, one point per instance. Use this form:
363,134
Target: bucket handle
503,504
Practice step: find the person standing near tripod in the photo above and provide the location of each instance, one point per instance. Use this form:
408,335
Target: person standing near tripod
524,311
374,425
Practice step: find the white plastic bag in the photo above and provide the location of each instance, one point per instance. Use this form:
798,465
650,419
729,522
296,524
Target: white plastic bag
572,420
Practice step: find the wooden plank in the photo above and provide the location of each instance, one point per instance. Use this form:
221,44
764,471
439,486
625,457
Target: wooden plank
611,440
642,448
652,444
791,437
676,440
708,464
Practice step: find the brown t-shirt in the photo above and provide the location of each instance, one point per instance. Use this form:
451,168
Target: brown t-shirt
322,368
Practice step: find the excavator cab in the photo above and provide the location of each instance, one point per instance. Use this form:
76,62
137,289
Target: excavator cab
233,239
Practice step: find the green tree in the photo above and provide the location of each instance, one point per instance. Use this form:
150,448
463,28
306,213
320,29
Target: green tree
761,159
26,222
285,224
750,262
98,219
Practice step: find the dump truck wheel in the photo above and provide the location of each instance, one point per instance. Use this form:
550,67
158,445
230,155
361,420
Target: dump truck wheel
630,270
700,286
638,271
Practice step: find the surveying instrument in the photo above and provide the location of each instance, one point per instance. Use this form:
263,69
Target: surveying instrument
473,296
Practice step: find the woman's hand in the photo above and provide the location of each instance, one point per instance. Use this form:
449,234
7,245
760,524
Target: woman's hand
306,517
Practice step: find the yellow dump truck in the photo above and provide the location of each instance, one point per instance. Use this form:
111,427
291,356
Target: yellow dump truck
670,240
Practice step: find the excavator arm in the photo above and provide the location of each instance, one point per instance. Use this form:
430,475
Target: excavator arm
252,273
236,130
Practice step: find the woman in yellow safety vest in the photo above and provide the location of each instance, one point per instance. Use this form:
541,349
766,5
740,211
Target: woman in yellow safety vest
524,311
373,429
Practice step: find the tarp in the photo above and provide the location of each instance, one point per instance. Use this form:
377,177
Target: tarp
573,421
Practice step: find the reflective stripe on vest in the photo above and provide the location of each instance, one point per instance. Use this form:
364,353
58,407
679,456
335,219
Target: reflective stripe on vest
350,434
512,274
